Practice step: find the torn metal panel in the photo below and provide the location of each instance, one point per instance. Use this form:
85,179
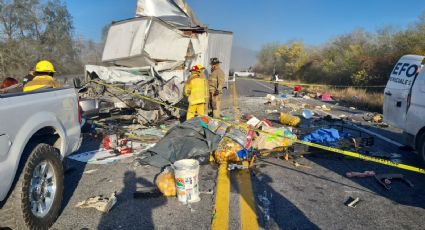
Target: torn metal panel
188,10
120,42
172,91
121,75
199,44
144,41
148,117
176,12
178,74
163,43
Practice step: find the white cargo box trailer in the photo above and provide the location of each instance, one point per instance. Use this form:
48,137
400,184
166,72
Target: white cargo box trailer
171,50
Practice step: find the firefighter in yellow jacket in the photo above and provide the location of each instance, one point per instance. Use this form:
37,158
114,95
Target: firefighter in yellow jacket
196,89
43,79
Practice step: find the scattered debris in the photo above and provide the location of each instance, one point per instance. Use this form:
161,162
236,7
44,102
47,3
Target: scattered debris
227,151
232,167
326,97
308,114
360,174
324,136
386,179
147,192
90,171
296,164
279,137
288,119
352,202
102,204
373,117
253,121
99,157
390,156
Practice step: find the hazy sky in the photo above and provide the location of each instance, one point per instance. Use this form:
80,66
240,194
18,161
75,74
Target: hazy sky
256,22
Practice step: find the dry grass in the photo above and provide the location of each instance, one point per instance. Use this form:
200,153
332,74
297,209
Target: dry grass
359,98
351,97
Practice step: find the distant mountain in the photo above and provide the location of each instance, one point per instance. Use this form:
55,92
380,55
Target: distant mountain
242,58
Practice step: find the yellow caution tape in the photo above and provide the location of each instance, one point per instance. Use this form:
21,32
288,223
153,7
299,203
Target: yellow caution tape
367,158
312,85
245,126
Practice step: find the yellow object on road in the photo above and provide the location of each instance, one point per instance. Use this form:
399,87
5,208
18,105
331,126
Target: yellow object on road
227,151
288,119
166,183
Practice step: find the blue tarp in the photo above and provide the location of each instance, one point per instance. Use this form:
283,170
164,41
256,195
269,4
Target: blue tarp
323,136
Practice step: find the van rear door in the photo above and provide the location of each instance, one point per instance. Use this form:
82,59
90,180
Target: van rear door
398,89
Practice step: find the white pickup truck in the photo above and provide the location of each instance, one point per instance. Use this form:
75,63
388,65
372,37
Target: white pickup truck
404,101
37,131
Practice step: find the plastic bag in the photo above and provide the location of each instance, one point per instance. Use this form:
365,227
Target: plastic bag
166,182
288,119
227,151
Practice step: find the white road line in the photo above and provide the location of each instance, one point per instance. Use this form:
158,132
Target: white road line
378,136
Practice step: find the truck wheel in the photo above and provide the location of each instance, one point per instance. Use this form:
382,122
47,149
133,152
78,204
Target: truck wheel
421,147
36,199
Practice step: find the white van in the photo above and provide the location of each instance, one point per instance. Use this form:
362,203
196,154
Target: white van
404,101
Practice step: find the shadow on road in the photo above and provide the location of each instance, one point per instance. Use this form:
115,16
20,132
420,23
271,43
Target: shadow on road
75,169
262,91
400,192
273,210
138,212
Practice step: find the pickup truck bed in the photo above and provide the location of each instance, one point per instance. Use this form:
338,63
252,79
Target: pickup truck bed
47,121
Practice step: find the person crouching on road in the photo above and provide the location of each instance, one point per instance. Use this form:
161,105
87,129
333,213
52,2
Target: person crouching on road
216,84
195,89
43,77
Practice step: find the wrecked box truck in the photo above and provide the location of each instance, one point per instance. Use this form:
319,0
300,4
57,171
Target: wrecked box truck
152,54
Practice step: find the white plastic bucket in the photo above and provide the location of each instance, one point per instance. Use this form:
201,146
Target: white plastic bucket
186,173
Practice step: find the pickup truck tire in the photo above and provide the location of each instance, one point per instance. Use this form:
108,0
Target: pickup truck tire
17,212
